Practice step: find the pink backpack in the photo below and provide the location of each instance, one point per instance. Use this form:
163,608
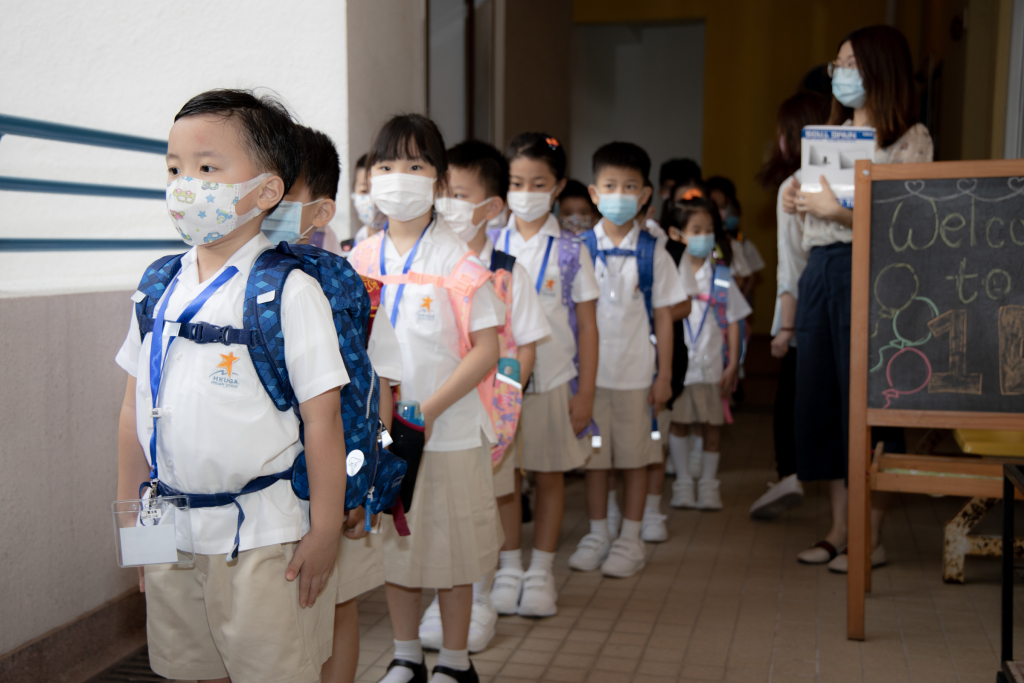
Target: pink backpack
502,400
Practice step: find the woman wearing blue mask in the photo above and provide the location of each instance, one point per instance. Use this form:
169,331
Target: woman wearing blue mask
872,85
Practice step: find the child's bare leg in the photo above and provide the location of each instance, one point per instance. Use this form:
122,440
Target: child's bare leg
456,610
679,429
550,508
636,493
510,510
341,667
656,477
404,607
712,438
597,494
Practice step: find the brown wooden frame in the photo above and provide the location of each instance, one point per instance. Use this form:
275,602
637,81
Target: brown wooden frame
864,473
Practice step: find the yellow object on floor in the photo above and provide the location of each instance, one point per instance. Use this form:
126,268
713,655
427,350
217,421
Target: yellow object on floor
990,442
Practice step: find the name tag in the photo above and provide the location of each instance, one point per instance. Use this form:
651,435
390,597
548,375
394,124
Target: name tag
142,545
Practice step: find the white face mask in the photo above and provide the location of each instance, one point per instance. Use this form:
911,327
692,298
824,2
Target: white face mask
203,211
458,213
363,204
529,206
402,196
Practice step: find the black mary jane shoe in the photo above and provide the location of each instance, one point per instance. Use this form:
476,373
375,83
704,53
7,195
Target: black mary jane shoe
467,676
419,671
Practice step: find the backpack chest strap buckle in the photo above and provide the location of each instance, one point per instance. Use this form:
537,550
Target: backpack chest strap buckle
207,333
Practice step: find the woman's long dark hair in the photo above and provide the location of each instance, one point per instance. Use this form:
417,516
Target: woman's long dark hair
803,109
885,65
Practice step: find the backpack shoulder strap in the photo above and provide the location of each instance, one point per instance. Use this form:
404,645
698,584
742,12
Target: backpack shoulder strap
468,275
365,256
152,286
261,313
502,261
589,238
493,234
373,290
646,243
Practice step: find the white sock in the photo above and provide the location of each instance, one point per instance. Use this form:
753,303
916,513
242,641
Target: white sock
695,459
453,659
653,503
613,504
630,530
510,559
541,560
482,588
710,472
599,527
410,651
678,448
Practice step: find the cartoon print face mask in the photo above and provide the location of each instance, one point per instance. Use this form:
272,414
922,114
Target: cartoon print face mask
203,211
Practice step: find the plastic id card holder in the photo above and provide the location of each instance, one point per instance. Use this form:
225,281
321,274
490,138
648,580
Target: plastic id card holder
153,531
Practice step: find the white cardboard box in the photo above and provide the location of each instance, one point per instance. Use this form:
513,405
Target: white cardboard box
832,151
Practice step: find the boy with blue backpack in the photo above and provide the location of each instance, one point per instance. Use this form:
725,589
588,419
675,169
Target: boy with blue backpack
639,285
251,430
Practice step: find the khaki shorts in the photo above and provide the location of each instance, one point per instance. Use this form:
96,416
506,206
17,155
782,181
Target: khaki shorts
238,619
699,404
624,419
548,441
361,564
455,531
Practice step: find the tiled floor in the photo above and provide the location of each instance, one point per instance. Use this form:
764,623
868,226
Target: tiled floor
725,600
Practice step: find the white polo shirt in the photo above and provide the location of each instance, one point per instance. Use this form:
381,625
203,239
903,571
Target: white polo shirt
705,353
658,231
554,365
529,323
220,429
627,356
429,337
384,350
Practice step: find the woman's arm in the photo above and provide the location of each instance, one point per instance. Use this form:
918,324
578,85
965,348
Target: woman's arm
787,316
824,205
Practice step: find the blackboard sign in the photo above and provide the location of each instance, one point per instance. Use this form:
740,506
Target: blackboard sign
946,306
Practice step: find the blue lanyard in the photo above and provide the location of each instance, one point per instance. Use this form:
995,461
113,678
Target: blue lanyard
544,263
157,354
405,270
703,318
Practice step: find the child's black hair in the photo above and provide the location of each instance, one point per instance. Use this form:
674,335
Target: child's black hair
726,187
622,155
678,214
680,171
321,167
539,146
268,133
650,198
410,136
360,164
574,188
485,161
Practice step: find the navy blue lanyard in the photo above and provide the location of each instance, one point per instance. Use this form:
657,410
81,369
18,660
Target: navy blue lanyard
157,354
703,318
405,270
544,263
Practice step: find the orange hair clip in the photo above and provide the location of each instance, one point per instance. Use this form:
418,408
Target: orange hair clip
552,143
692,193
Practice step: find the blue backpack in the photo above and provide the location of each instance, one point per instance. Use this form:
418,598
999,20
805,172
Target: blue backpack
644,253
378,481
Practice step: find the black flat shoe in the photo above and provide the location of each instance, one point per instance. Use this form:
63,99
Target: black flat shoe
467,676
419,671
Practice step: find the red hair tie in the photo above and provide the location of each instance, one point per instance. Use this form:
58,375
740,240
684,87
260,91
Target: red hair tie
692,193
552,143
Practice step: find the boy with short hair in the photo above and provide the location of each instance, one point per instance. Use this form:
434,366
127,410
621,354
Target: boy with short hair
360,554
204,424
639,286
477,186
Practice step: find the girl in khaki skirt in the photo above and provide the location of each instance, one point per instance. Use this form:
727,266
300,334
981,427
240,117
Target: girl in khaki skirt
709,380
453,517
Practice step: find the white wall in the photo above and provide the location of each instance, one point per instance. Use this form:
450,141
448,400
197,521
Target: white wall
125,67
128,67
640,84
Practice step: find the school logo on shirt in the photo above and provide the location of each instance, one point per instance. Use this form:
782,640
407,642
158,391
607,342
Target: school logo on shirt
223,374
426,310
548,287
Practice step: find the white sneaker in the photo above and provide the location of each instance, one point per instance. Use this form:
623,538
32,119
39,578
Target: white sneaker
508,584
625,558
709,496
482,625
614,519
590,553
683,495
789,492
539,595
431,633
653,529
841,563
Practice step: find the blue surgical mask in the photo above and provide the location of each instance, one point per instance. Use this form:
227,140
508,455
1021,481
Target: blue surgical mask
284,225
731,222
618,208
848,87
700,245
